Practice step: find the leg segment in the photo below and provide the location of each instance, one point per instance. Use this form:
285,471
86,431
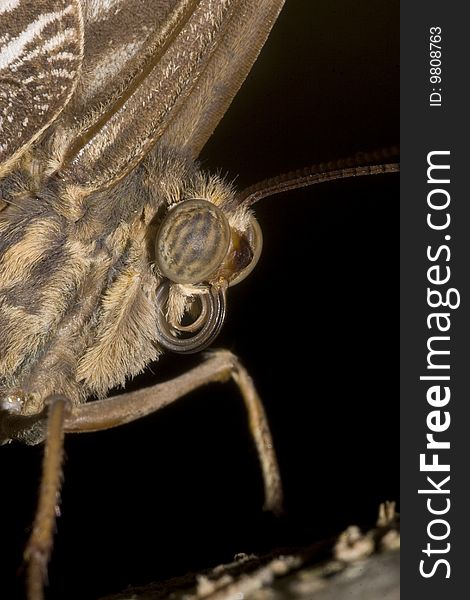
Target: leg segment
218,366
39,545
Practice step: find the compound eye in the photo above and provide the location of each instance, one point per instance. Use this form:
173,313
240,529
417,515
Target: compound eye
192,241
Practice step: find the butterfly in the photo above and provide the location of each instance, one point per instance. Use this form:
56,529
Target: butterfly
74,117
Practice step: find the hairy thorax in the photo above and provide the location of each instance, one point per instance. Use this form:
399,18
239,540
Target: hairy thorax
78,278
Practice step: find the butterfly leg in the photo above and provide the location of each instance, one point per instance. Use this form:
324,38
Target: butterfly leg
39,545
218,366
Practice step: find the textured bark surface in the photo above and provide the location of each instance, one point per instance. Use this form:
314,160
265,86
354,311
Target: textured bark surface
352,567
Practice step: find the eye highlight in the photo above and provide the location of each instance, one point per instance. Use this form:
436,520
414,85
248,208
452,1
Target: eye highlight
192,241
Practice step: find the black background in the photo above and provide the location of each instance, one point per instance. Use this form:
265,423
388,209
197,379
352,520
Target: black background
315,325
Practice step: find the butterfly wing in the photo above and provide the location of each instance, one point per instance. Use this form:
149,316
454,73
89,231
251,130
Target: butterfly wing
41,45
162,72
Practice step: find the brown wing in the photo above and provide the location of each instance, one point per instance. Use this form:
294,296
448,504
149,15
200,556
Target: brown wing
40,57
162,72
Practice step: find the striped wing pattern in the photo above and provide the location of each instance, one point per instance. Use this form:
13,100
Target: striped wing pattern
41,46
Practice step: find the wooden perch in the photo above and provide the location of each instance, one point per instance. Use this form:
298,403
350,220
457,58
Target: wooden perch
353,566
